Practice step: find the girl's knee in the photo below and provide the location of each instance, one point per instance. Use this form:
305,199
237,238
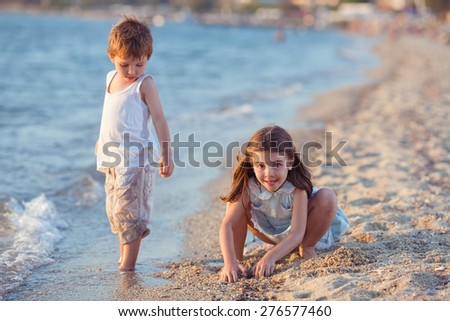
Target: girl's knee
326,200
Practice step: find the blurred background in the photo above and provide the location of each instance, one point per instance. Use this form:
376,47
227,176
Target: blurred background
430,17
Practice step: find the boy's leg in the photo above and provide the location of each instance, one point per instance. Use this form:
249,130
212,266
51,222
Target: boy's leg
132,211
121,252
130,253
321,213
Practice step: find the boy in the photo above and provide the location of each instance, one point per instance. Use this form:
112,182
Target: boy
125,146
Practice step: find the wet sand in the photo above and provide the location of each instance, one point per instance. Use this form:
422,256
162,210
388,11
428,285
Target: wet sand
394,189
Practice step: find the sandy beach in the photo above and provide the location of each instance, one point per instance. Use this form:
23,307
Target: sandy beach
395,190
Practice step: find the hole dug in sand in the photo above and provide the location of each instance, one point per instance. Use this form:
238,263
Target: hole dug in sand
340,261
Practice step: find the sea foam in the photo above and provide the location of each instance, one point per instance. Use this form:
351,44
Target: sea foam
31,230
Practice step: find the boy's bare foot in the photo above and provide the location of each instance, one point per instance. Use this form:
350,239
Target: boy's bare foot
307,252
126,268
129,255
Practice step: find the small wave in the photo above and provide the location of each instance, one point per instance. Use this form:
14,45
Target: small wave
88,192
232,110
84,191
352,54
224,112
278,92
31,231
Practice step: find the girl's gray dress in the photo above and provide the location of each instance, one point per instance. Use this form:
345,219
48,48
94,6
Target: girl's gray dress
271,214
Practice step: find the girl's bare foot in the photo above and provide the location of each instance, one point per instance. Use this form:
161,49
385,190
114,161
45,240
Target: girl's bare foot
307,252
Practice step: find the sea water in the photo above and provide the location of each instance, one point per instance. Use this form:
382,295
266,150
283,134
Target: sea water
217,85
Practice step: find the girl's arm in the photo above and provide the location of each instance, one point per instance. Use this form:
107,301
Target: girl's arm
150,96
235,214
266,265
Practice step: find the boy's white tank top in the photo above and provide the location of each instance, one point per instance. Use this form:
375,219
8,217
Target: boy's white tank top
126,138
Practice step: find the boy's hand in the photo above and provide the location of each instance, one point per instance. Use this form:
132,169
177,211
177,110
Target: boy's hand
166,167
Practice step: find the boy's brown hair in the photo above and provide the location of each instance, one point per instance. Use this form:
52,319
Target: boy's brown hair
131,38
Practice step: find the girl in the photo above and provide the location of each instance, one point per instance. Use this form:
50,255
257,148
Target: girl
272,195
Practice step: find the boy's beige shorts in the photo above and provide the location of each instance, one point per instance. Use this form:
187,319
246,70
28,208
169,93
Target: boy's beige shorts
129,201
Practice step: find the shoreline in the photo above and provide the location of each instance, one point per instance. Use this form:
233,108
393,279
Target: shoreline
394,191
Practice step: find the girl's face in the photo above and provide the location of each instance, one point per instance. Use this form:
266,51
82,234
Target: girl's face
129,69
271,169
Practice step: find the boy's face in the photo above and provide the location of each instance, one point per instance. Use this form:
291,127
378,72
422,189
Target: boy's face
130,69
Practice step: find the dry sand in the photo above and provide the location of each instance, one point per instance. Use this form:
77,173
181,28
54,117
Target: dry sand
395,190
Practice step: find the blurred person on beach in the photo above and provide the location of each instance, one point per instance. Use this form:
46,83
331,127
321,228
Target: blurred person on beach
273,197
126,146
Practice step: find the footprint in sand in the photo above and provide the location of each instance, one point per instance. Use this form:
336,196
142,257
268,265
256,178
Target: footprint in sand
357,153
365,237
369,165
366,232
365,201
339,282
374,226
302,295
429,222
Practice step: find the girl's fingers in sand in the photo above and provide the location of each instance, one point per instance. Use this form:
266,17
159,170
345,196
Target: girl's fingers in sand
243,269
232,275
228,275
263,268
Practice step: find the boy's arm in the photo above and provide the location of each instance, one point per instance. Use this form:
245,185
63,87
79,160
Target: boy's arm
266,265
150,96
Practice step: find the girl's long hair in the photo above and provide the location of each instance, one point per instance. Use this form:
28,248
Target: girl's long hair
274,139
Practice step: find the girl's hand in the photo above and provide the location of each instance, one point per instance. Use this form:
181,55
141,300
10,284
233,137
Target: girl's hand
230,273
265,267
